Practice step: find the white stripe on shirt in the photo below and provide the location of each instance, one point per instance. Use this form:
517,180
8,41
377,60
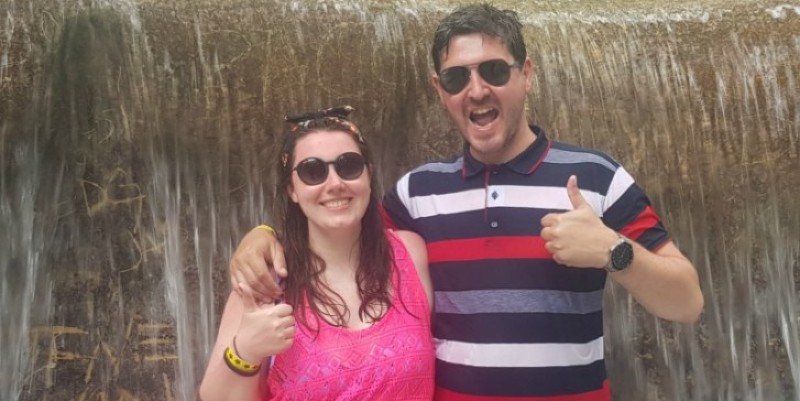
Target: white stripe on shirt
519,355
619,184
554,198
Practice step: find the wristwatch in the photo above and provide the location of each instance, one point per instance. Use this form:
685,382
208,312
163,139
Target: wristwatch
620,255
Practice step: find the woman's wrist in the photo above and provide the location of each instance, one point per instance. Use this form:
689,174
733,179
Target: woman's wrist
238,364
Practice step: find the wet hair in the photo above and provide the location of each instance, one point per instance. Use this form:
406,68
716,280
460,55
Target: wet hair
483,19
374,271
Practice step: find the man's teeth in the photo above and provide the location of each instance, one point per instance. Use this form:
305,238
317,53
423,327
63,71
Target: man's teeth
483,116
479,112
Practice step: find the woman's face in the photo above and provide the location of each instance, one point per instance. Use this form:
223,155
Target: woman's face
336,202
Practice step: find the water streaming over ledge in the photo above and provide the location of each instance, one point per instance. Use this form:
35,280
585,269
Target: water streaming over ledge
135,144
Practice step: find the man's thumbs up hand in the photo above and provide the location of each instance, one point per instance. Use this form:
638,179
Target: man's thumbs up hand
575,195
577,238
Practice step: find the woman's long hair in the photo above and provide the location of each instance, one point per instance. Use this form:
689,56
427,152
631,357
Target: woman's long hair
374,271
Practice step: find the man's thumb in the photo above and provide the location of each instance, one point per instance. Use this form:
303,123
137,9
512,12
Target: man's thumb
574,193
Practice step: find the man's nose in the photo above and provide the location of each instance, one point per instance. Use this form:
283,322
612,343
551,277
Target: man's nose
477,88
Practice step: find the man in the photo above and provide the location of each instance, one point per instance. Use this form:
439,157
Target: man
521,233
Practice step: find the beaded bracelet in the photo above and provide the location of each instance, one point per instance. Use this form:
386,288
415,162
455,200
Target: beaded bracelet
239,365
267,229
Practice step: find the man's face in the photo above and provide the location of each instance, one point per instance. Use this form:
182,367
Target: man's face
491,118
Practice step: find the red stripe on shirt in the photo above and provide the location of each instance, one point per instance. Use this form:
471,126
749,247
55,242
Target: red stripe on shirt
487,248
602,394
646,220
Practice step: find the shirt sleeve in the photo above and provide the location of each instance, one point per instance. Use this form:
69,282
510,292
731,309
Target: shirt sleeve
628,210
394,207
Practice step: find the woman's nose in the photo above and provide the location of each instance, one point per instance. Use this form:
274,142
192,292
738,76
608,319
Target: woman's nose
333,178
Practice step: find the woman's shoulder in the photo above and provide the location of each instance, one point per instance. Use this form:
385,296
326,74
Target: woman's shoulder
411,241
416,249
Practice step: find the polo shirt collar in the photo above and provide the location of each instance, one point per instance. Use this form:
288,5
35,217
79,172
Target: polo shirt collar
525,163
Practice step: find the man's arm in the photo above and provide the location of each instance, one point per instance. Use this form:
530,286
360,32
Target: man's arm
258,255
665,282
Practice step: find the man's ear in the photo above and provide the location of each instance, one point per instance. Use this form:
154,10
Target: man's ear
527,71
438,87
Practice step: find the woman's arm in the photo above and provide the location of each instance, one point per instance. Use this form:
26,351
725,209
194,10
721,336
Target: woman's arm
260,331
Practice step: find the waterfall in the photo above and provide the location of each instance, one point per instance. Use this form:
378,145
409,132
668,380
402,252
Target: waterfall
135,146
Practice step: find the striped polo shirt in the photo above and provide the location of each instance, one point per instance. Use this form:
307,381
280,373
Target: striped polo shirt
510,323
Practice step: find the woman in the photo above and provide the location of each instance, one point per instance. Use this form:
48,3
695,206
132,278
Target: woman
355,322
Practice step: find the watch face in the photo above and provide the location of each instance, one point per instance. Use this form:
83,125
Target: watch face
622,256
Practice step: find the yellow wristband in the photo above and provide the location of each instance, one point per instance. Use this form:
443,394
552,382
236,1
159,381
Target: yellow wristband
239,365
267,229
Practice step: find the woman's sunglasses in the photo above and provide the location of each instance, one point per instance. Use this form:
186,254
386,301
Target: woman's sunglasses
314,171
494,72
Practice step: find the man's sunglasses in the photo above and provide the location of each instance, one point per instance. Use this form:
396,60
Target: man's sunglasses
314,171
495,72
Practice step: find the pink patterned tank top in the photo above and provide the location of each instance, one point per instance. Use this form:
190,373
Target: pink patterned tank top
391,360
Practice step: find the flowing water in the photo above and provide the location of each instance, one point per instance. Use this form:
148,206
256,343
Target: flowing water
136,138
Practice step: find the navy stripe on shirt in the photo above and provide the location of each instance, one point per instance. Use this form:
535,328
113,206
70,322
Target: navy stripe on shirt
519,327
514,274
541,382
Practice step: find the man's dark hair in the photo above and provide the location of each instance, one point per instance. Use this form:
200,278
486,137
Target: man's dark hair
484,19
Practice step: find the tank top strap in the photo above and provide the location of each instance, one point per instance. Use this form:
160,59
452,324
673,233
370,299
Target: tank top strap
398,247
406,277
403,264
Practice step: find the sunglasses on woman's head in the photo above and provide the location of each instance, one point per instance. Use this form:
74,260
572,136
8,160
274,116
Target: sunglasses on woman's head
336,115
340,112
314,171
495,72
